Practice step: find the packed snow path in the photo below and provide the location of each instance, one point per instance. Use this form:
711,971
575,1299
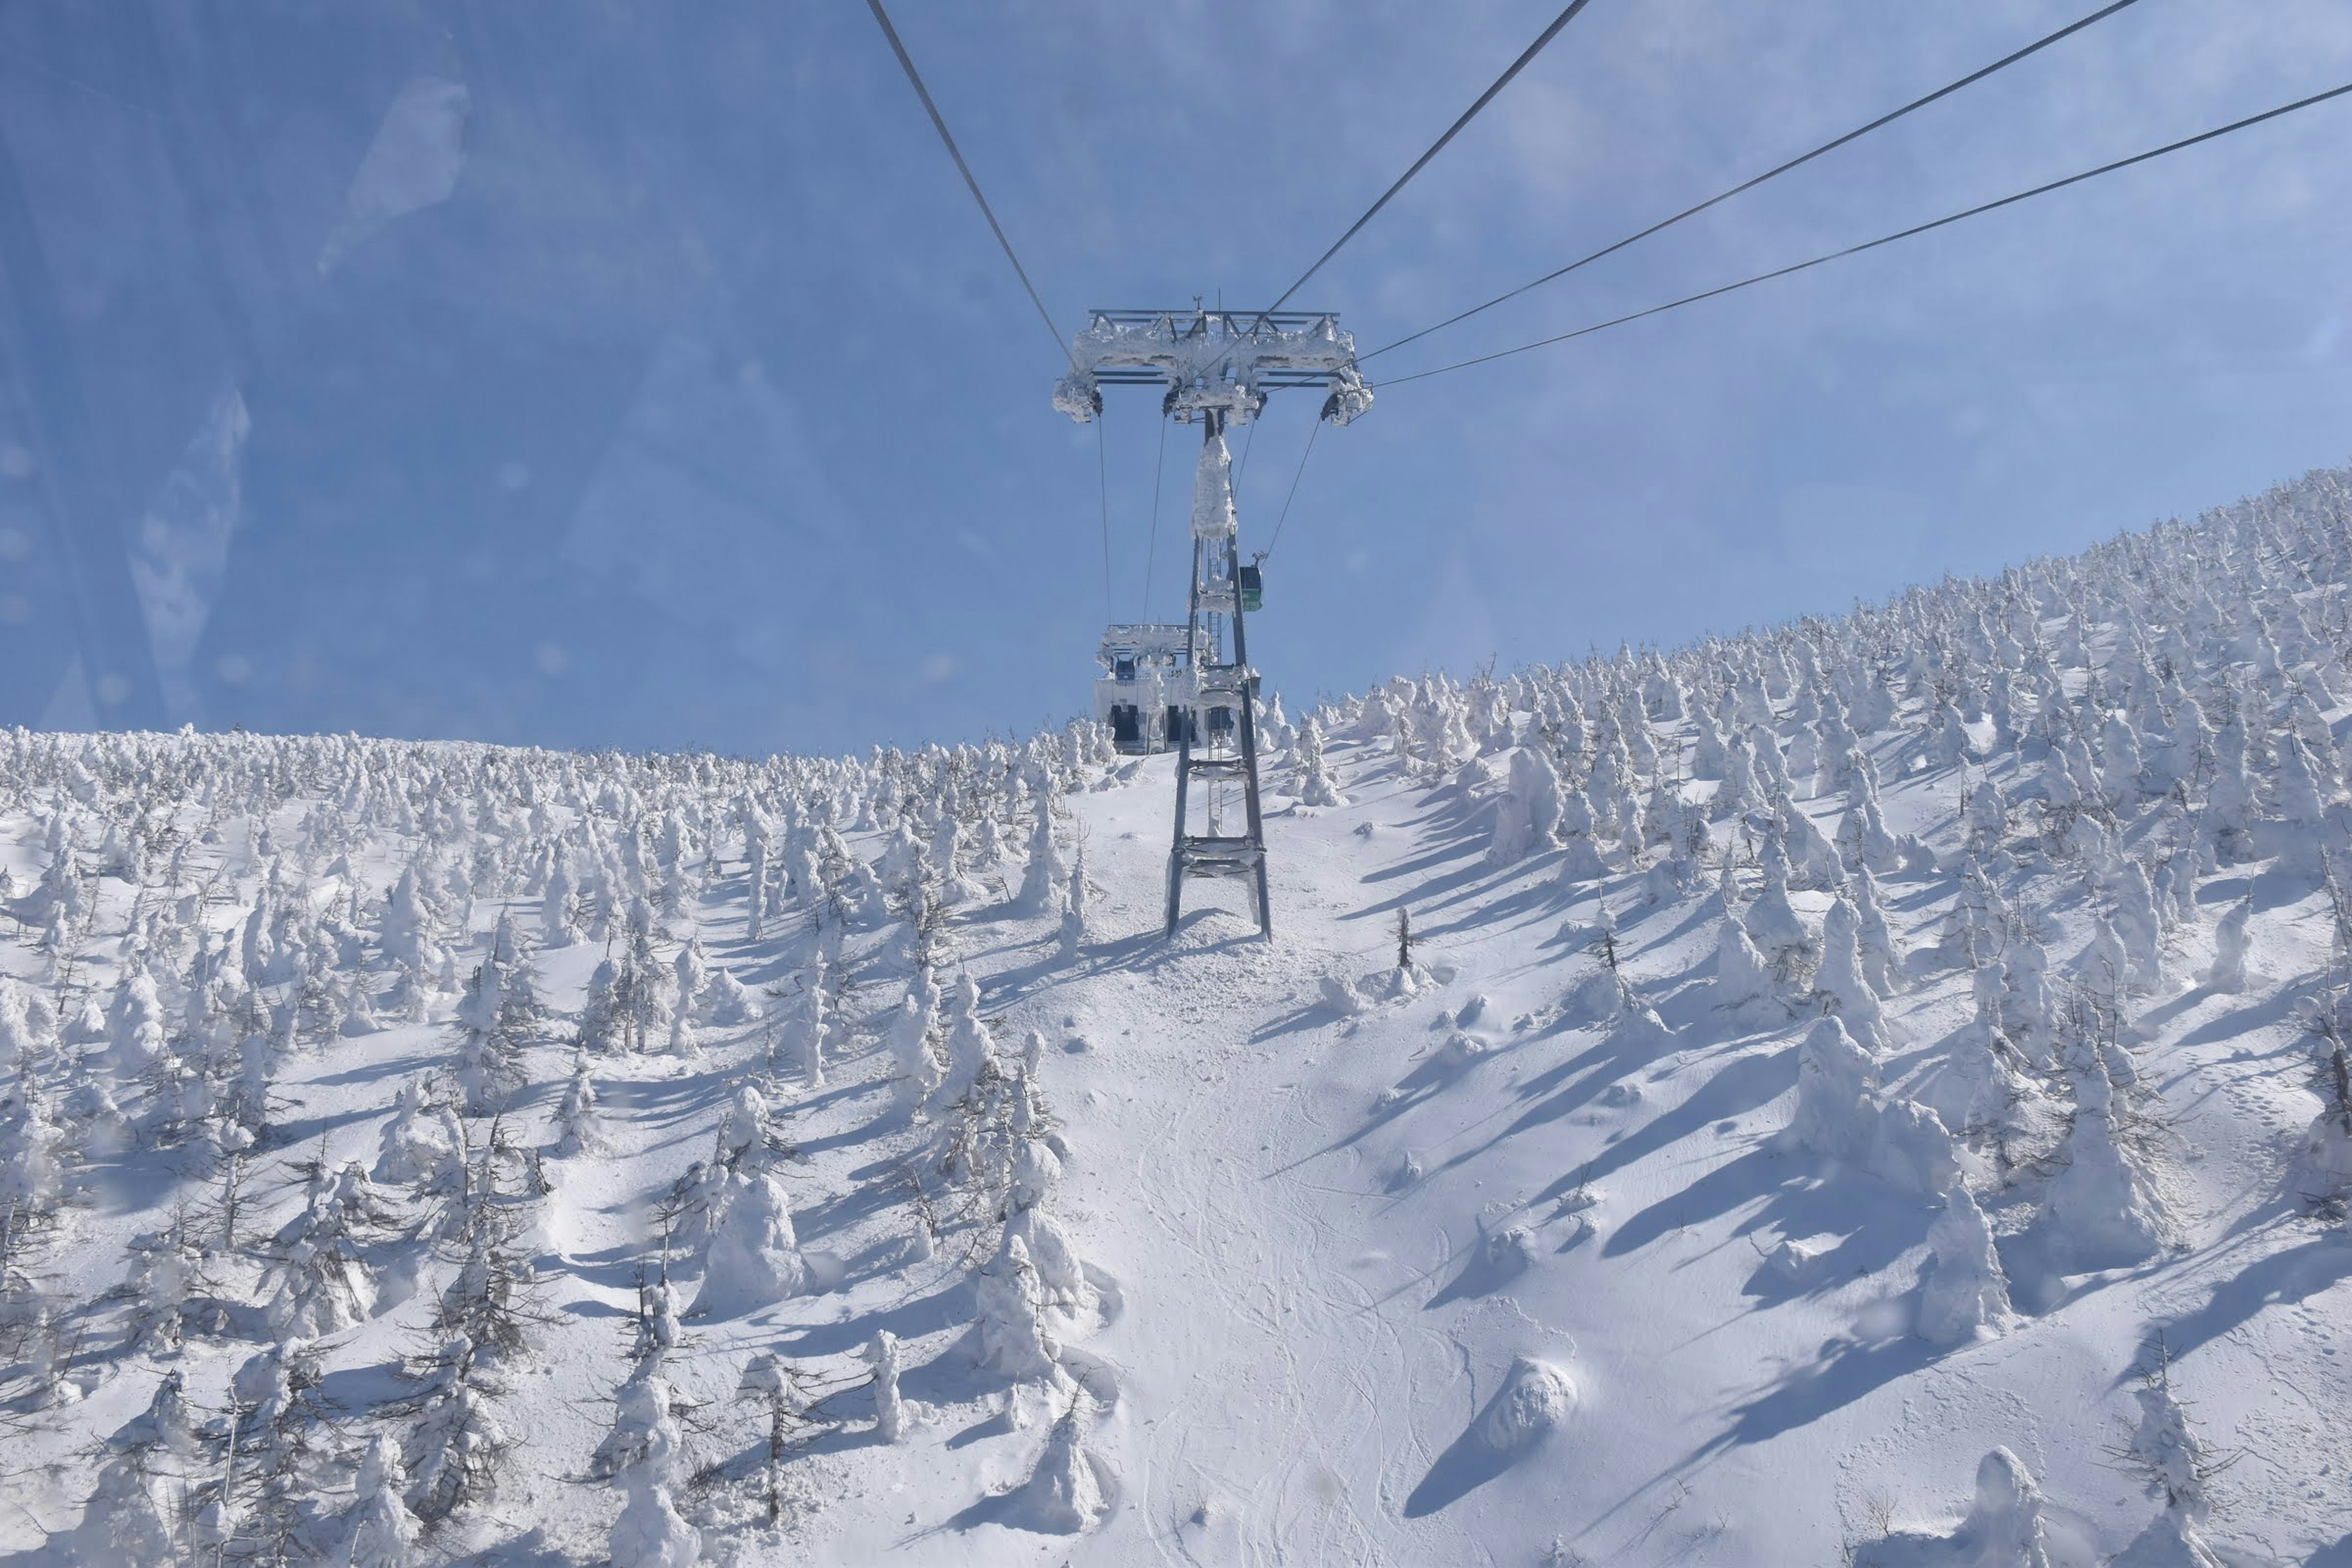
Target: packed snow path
1871,1092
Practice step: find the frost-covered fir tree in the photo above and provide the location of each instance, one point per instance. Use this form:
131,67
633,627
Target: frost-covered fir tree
1841,983
278,1450
1043,878
1065,1493
650,1532
2227,974
137,1511
917,1074
1744,985
1074,907
1010,1330
1528,810
754,1258
889,1409
579,1128
1965,1295
500,1015
966,1044
2101,1209
380,1531
455,1448
319,1258
424,1144
2177,1467
1779,933
1316,787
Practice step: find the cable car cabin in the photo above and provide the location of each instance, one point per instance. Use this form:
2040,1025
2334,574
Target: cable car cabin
1144,694
1251,581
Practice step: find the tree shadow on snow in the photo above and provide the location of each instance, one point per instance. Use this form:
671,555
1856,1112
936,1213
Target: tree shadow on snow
2272,1010
2290,1274
1846,1370
910,1320
1741,1085
1483,1274
1468,1464
1797,1196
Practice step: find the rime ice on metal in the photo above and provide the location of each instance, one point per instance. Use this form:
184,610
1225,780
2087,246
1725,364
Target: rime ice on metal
1181,687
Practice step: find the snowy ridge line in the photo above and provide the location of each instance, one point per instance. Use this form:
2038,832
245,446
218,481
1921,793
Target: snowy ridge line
1802,1071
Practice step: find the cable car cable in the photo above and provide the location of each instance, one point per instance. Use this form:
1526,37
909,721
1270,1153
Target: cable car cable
2217,131
1436,147
1102,482
907,64
1831,146
1312,431
1151,548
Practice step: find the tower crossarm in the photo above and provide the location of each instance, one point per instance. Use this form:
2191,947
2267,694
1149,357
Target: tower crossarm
1226,361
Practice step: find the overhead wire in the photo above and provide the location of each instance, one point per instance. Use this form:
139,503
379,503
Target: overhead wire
1915,229
1312,431
1102,483
1831,145
1152,547
906,63
1500,82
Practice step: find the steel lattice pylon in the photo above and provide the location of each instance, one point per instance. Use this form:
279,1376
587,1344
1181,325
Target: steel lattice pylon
1216,368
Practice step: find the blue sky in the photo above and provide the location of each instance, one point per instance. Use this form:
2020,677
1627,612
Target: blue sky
589,376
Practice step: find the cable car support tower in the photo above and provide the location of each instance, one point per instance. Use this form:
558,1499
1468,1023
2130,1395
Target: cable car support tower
1216,368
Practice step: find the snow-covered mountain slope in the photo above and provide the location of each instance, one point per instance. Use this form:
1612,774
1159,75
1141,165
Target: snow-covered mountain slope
1865,1092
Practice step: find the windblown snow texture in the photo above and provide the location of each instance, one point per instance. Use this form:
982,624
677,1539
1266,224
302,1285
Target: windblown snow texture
1874,1090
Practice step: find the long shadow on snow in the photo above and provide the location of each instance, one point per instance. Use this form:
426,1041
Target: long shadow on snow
1428,1077
1420,893
1466,1465
1739,1086
308,1129
391,1067
1451,822
2336,1556
1519,908
2243,1019
830,1215
1845,1370
1587,1076
910,1319
1297,1021
2291,1275
1801,1195
1481,1275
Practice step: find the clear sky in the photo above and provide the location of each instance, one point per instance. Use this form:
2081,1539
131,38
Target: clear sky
642,376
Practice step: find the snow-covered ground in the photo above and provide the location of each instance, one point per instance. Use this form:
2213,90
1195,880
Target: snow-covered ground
1863,1092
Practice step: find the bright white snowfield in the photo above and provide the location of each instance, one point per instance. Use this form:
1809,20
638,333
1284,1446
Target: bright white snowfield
1866,1093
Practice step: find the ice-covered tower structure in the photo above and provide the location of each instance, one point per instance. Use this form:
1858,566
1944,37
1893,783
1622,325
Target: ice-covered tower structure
1216,368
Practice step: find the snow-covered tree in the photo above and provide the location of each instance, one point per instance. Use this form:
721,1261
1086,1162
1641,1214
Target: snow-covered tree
2227,974
380,1531
1042,880
1966,1294
2102,1204
500,1015
137,1511
579,1128
1841,983
754,1258
1316,786
324,1283
889,1409
1065,1493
